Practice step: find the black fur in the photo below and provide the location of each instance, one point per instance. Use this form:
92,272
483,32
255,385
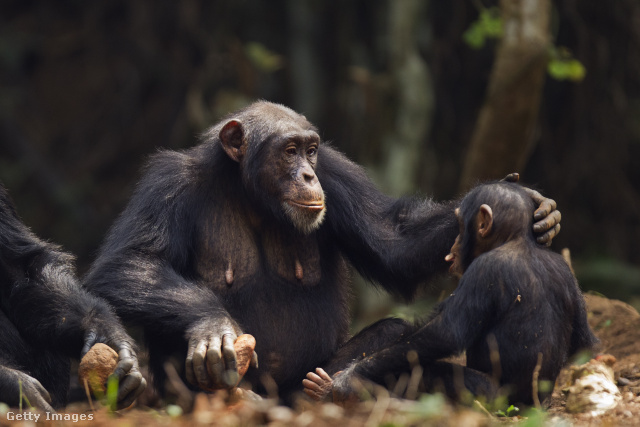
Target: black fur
163,263
45,315
520,293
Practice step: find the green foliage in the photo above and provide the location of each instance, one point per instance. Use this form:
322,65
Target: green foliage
174,411
4,408
488,26
563,66
430,405
612,276
262,58
112,393
534,418
511,411
581,358
545,386
23,396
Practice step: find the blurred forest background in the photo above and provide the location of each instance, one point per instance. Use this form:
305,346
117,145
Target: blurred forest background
419,92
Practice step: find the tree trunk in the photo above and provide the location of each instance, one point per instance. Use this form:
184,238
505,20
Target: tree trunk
504,133
412,86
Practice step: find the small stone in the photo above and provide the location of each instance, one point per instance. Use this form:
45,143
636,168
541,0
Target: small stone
96,366
244,346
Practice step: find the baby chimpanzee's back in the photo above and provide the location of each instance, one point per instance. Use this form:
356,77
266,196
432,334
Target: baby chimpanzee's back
540,311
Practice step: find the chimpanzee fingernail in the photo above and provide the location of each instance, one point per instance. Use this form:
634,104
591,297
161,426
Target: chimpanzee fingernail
231,378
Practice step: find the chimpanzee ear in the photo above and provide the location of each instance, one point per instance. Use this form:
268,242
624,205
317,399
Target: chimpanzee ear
484,220
233,140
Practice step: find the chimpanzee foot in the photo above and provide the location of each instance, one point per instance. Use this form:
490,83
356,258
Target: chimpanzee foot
318,385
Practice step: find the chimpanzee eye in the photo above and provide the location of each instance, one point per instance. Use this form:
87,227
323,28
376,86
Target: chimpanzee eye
291,151
312,151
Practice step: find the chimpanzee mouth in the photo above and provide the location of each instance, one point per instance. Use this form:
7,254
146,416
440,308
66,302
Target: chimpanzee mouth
314,205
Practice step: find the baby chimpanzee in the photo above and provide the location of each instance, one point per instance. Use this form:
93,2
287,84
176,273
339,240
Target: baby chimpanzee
517,303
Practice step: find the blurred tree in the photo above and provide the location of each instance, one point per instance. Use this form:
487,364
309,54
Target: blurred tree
504,133
90,89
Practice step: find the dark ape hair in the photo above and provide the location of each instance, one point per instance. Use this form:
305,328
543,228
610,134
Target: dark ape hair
512,211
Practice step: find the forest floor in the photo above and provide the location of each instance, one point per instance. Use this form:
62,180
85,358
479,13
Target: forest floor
616,324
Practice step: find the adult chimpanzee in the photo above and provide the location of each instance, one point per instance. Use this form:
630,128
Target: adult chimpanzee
250,231
47,318
515,301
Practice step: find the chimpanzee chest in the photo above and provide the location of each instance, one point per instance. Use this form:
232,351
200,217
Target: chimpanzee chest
232,252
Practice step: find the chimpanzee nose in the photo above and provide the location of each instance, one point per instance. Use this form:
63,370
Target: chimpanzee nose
308,173
309,176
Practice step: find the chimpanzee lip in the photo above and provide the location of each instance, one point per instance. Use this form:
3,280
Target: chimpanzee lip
316,205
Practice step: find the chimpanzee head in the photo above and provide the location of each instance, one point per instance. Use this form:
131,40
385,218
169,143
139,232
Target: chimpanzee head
277,150
489,216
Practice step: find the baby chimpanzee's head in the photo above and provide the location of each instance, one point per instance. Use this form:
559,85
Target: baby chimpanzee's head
490,215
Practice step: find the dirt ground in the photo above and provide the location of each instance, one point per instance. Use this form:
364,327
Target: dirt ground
616,324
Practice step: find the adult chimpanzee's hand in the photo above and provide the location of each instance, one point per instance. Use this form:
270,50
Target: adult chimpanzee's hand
212,362
547,216
32,390
131,384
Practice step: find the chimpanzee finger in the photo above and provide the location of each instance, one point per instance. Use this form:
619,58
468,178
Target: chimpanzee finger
231,376
512,177
123,367
37,395
128,400
129,387
214,362
323,374
254,360
199,366
547,237
313,377
548,223
188,365
311,385
40,402
89,341
545,205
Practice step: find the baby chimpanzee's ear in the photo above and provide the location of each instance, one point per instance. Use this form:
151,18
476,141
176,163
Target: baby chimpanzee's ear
484,221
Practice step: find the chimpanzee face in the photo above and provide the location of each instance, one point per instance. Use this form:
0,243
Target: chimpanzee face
277,164
455,254
297,186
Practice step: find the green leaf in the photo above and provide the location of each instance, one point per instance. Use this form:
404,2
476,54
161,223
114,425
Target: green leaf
491,23
558,69
534,418
576,70
474,36
112,393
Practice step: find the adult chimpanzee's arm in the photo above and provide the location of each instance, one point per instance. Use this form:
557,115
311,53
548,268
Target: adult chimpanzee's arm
397,243
42,297
148,291
142,269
